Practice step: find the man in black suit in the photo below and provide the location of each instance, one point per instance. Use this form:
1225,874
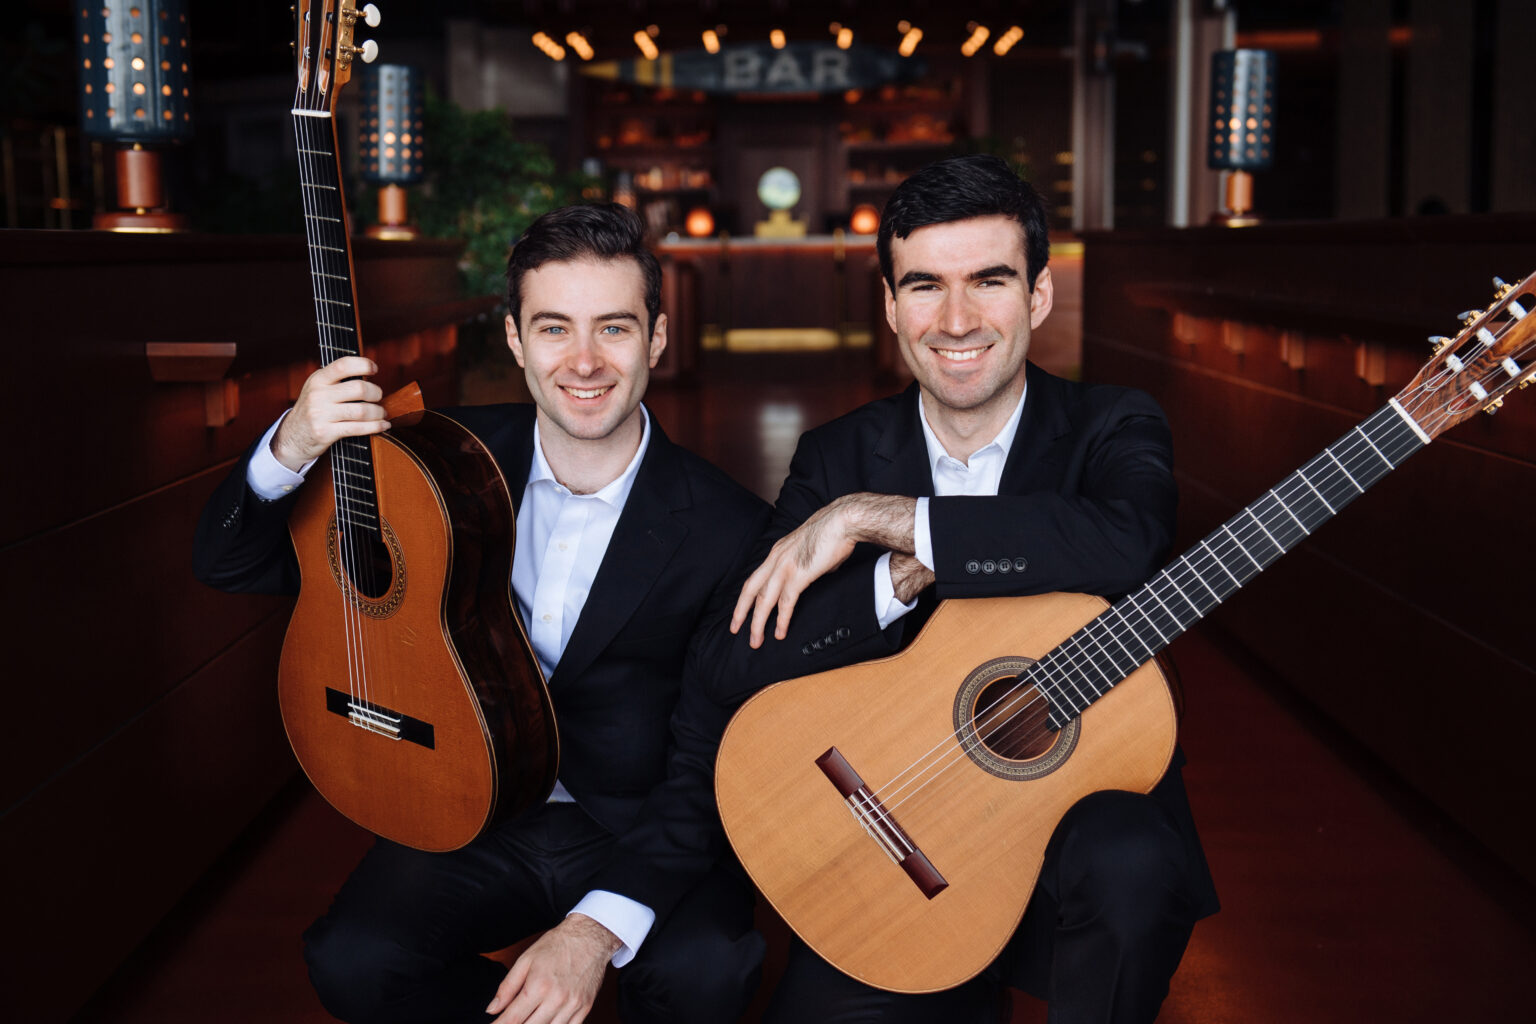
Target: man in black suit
987,477
626,545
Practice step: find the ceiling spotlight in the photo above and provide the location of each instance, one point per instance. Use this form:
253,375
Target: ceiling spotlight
711,41
1007,39
844,38
978,36
776,37
909,42
550,48
579,44
647,47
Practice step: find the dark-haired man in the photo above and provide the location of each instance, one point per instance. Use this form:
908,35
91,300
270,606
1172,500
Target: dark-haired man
987,477
626,544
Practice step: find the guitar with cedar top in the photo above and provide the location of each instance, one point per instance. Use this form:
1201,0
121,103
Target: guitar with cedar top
408,689
896,812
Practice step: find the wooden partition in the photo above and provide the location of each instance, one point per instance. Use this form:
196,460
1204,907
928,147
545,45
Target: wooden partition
143,729
1407,621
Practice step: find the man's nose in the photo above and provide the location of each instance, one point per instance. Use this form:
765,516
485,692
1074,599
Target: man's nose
588,356
959,315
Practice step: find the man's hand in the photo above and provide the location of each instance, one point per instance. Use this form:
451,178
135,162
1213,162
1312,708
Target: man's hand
556,979
816,547
330,407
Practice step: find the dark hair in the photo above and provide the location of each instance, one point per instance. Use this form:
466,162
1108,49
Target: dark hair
960,188
601,231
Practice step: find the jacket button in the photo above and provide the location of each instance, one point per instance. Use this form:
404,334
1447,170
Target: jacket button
989,567
805,649
973,567
843,632
1020,564
1003,565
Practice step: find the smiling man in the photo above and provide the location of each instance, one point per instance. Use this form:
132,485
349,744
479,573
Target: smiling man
626,545
987,477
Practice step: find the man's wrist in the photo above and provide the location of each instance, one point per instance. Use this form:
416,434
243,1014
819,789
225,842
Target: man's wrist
909,577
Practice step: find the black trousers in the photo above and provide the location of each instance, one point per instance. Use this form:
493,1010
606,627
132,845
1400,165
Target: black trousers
1100,939
402,942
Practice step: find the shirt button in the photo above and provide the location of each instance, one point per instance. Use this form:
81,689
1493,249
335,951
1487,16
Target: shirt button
547,617
287,487
562,545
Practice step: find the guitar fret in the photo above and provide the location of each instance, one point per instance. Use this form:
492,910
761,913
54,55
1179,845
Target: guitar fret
1288,512
1221,563
329,188
1241,548
339,327
1278,546
1185,559
1329,452
1330,508
1368,441
316,152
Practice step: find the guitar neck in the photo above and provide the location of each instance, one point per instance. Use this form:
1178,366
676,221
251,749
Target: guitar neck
330,271
1142,623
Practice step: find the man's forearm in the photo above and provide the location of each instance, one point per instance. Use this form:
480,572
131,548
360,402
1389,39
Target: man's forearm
881,519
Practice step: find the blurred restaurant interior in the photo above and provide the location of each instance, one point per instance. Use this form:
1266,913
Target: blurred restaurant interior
1353,724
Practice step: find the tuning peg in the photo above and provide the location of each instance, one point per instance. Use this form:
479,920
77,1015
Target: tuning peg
1469,316
372,17
1493,406
1501,287
1438,342
369,50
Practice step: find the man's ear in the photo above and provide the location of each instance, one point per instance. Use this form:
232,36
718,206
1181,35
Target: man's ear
514,342
1040,299
890,304
658,338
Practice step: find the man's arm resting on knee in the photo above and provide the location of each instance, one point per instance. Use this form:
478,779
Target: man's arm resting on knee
557,978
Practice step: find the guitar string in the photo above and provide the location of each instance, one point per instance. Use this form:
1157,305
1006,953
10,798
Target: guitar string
1073,651
1014,724
1353,444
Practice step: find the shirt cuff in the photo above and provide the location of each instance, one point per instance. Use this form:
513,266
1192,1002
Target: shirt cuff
629,920
922,537
887,607
268,478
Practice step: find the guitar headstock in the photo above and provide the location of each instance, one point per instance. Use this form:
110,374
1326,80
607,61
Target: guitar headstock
1494,353
324,48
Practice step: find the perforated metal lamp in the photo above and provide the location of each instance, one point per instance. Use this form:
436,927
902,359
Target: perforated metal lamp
135,92
391,141
1241,124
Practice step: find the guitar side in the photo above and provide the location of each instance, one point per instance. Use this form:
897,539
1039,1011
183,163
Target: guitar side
982,825
440,650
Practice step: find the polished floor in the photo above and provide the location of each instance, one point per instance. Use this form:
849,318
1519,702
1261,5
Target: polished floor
1345,897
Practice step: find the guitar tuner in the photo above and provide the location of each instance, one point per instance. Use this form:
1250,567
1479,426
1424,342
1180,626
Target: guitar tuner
1438,342
1469,316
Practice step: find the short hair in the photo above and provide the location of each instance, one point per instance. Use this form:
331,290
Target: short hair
960,188
599,231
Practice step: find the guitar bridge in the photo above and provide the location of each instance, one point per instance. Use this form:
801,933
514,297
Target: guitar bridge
882,827
379,720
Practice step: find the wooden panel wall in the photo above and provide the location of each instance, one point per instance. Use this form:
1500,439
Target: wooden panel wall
1407,620
143,729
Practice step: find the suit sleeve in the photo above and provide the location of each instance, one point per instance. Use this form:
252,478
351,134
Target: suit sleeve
1104,531
834,622
242,543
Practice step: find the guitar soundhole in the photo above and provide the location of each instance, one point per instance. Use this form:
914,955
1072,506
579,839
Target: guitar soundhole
1003,727
369,568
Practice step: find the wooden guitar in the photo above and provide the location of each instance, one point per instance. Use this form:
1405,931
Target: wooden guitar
409,691
896,812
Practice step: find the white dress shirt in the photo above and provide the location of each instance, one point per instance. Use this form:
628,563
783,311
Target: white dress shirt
561,540
981,474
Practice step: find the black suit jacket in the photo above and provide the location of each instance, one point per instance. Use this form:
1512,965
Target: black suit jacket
1086,504
638,727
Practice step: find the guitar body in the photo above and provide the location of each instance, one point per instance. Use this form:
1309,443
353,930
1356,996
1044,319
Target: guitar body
414,703
982,822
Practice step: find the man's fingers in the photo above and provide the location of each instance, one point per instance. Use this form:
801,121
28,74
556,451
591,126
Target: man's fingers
787,601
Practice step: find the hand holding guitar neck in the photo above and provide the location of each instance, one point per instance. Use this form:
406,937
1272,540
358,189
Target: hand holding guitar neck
337,401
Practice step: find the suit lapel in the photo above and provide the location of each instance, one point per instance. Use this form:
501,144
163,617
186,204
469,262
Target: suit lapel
900,463
1034,460
644,541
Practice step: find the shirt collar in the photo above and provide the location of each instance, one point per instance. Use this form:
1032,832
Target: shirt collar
616,492
1003,441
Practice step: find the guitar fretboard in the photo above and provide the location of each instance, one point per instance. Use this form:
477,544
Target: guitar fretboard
1134,629
330,271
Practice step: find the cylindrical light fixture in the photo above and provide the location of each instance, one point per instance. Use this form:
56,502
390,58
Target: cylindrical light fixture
1241,123
391,141
135,91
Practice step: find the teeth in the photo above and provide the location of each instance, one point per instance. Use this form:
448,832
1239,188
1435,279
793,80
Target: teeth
960,357
590,393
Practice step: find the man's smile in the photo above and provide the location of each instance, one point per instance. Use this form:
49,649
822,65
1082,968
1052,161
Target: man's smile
955,355
586,392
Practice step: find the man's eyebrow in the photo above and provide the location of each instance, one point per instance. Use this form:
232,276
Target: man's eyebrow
1001,270
622,314
548,315
916,277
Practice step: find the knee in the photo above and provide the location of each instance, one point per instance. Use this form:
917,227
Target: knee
708,979
347,968
1123,864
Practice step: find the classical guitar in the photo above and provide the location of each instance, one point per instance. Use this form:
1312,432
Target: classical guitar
408,689
896,812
